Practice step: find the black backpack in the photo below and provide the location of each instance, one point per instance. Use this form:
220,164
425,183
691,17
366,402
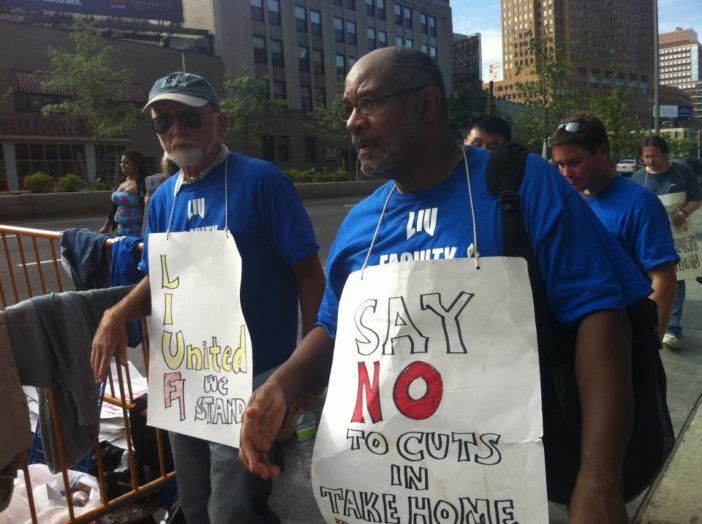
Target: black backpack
652,436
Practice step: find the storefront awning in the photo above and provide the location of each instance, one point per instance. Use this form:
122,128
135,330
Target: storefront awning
133,93
33,83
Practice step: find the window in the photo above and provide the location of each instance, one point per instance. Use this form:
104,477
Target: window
338,30
398,14
432,26
380,9
283,148
350,62
259,45
318,61
351,4
310,149
303,55
320,96
274,12
315,22
279,90
382,39
370,11
338,2
26,103
370,33
59,160
340,64
409,43
399,41
268,148
301,18
256,9
306,98
277,53
107,159
433,53
408,17
423,27
351,32
425,49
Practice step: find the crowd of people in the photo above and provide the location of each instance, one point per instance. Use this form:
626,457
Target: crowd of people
599,249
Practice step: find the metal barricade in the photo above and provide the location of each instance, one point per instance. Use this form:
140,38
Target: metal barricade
22,278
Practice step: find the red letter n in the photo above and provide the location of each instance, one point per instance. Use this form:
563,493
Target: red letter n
372,394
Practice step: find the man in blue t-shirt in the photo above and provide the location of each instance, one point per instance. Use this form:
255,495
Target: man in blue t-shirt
635,217
280,268
395,110
664,177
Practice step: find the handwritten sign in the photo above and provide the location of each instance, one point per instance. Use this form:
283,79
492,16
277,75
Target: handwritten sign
684,237
200,361
433,412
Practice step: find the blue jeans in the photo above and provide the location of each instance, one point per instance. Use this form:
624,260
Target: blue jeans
214,488
675,327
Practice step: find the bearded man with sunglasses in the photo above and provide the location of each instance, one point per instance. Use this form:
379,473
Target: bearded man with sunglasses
217,189
431,215
634,216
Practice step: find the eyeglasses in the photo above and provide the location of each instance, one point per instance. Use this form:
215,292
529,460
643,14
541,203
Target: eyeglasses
188,118
572,127
366,104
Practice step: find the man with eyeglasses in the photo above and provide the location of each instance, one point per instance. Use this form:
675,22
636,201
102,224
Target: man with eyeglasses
488,132
664,177
280,269
635,217
395,110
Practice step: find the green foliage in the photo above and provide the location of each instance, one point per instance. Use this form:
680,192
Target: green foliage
97,185
69,184
324,121
39,182
465,104
614,109
250,110
681,147
301,176
5,91
92,75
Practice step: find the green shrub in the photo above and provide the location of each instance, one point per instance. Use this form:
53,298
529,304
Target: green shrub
39,182
69,184
97,185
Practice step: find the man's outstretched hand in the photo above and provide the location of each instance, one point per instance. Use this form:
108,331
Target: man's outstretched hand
262,420
110,338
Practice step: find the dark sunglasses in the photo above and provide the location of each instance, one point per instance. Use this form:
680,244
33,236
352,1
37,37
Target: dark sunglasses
188,118
572,127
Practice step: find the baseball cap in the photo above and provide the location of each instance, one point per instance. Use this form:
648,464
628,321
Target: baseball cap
186,88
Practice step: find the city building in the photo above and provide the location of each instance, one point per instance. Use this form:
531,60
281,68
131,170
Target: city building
304,48
605,44
680,62
467,61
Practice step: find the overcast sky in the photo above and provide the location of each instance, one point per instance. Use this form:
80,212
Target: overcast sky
471,16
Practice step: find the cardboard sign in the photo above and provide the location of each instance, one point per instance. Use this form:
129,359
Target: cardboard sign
684,236
433,412
200,360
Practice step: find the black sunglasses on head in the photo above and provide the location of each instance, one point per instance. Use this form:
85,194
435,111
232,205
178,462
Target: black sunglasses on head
188,118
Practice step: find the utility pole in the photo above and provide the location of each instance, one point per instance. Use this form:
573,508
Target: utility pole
656,61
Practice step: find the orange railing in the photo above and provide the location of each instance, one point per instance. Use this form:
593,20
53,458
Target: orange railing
22,278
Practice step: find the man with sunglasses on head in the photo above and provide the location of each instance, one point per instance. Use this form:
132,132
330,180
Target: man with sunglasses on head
280,269
394,106
635,217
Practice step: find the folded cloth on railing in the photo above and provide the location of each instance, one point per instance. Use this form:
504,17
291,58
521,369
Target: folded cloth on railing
68,322
15,431
124,272
84,253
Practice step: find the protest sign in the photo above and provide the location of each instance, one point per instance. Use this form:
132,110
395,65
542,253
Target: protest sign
200,361
684,236
433,412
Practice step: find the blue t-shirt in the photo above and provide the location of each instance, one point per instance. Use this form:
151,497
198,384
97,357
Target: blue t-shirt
677,179
272,232
582,266
639,222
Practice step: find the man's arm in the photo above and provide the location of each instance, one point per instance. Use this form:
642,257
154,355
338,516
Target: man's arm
306,371
663,282
603,375
111,335
685,211
310,284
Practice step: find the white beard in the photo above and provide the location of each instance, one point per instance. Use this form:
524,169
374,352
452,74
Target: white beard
191,158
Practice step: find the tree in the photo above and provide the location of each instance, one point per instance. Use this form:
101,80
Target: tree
614,110
465,104
681,147
250,110
94,79
330,128
545,93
